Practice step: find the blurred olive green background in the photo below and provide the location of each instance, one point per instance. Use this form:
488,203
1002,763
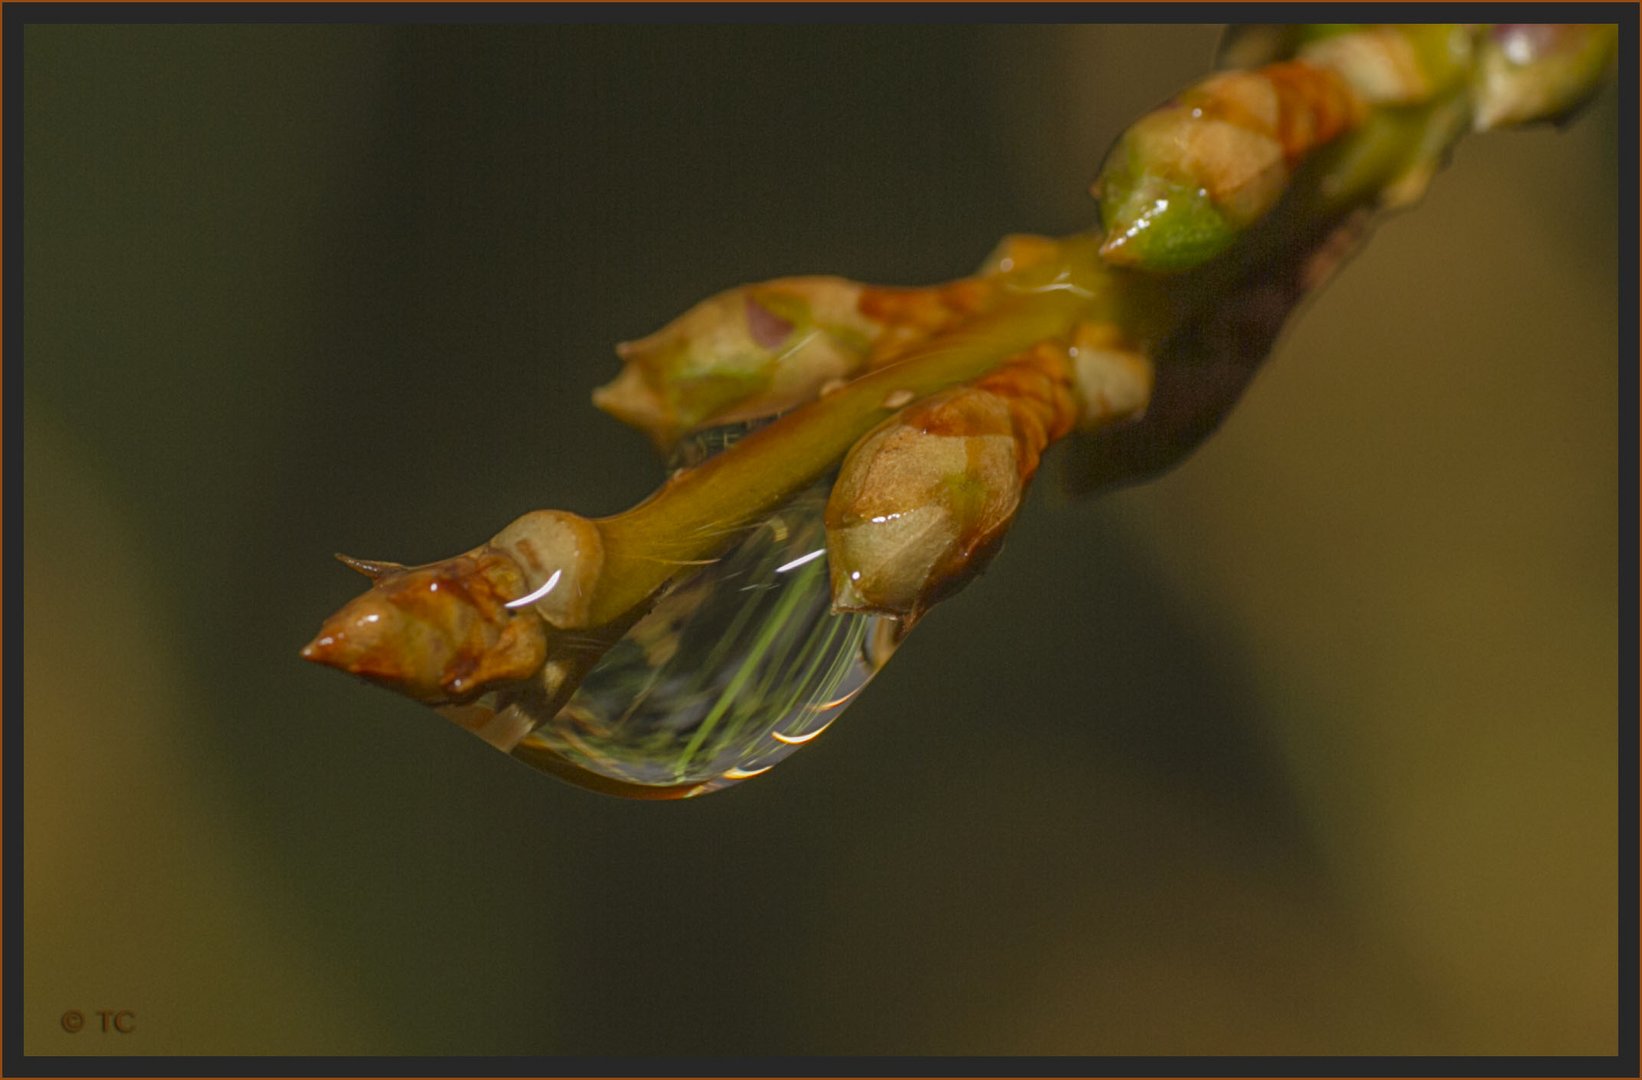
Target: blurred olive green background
1307,747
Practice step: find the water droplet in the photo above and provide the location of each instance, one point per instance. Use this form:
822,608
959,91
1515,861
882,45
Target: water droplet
739,664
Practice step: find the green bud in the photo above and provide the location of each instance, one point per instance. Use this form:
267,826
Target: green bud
1538,72
1161,224
1155,204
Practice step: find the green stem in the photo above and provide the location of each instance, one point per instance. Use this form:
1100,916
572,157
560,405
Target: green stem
696,513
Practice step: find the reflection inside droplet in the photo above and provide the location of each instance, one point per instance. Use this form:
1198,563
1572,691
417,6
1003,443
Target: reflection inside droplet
734,668
738,664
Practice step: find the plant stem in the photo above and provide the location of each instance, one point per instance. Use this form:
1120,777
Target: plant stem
1198,322
696,513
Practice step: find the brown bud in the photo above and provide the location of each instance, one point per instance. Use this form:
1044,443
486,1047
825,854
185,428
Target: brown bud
1396,64
923,501
449,631
438,633
907,317
1186,179
1113,380
560,555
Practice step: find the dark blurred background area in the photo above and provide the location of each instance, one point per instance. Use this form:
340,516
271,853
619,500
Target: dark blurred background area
1307,747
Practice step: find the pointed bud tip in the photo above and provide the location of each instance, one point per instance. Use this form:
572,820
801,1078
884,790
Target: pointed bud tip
1117,250
846,598
321,650
371,568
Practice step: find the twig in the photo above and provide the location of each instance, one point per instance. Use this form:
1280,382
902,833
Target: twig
1221,211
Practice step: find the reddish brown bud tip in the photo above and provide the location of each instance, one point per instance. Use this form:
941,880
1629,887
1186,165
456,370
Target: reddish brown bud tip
371,568
439,633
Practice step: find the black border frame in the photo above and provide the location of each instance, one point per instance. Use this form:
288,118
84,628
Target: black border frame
16,17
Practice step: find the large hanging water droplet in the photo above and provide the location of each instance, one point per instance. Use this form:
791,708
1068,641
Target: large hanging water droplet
739,664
